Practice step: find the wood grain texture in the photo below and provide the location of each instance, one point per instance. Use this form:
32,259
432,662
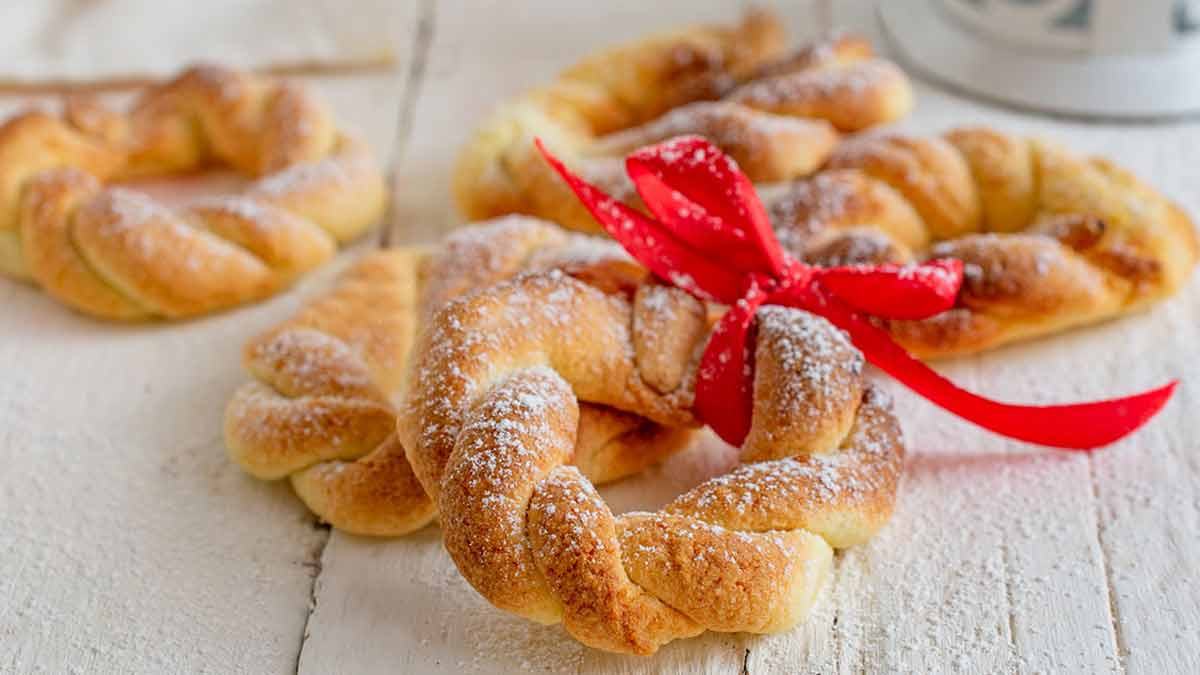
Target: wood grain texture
129,543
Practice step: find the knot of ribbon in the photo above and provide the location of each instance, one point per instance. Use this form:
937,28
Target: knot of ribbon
710,236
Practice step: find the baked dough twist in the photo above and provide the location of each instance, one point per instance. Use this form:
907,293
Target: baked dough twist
489,428
321,411
114,253
777,114
1050,240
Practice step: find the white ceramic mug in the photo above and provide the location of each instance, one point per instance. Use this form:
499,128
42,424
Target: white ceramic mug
1084,26
1120,58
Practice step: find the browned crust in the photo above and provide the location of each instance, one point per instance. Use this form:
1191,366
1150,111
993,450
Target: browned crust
854,496
775,112
321,410
851,96
316,187
928,172
765,145
1050,240
490,421
602,606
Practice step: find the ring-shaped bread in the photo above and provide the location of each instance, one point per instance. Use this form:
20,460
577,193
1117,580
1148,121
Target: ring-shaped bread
116,253
490,429
777,113
1050,240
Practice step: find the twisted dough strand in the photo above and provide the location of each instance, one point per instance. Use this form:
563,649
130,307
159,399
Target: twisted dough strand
490,425
321,412
1050,240
117,254
777,114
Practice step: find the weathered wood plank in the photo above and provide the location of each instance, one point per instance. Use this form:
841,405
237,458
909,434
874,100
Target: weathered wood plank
1146,492
129,542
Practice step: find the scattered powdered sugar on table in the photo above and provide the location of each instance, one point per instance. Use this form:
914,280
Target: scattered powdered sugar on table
494,640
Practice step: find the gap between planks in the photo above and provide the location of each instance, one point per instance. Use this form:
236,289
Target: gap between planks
422,28
1114,613
410,91
315,562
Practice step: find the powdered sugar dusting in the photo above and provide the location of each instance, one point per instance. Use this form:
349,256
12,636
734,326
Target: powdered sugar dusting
744,133
818,358
313,362
336,170
798,88
147,229
492,639
509,442
243,207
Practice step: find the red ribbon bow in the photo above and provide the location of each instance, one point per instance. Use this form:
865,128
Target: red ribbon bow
713,239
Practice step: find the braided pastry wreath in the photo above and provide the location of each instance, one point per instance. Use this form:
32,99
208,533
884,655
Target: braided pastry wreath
777,113
322,409
115,253
490,429
1050,240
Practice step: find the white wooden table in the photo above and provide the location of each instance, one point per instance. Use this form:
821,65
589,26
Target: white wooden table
128,543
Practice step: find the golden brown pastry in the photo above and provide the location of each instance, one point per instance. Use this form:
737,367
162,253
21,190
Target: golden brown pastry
1050,240
117,254
490,428
321,411
777,113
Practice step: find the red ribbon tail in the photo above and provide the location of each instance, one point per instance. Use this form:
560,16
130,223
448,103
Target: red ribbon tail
1079,426
724,388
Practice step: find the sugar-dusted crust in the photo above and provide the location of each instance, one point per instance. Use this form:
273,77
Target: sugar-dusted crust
1051,240
489,425
117,254
321,409
777,113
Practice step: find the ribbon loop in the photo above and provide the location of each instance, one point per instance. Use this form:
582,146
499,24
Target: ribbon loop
651,244
697,172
